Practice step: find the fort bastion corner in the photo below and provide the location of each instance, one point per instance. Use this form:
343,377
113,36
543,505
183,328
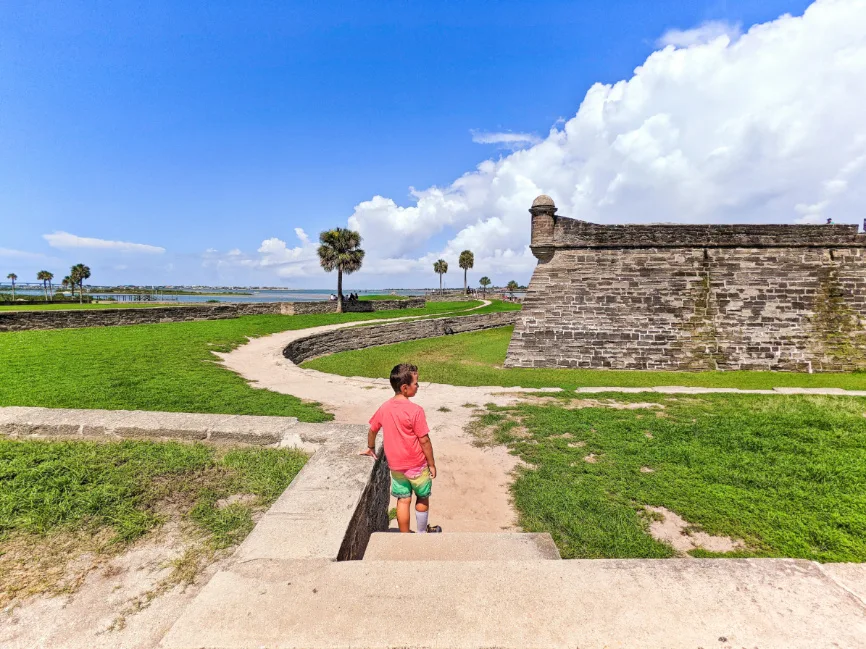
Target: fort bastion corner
692,297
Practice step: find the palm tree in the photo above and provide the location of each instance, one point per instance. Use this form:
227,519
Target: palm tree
485,282
44,276
512,286
79,273
340,250
440,267
466,261
67,283
50,276
13,277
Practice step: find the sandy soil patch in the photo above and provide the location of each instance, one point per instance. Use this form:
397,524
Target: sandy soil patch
117,602
236,499
671,528
579,404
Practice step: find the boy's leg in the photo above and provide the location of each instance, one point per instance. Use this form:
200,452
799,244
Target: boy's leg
403,514
401,489
422,486
422,505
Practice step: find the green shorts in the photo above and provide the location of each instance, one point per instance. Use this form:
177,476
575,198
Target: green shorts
402,487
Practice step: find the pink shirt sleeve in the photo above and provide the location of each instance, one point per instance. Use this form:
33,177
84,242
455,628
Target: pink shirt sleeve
376,420
420,427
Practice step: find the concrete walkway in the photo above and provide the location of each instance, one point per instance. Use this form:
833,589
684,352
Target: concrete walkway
674,603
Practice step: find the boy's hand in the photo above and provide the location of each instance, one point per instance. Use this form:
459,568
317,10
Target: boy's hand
432,472
369,451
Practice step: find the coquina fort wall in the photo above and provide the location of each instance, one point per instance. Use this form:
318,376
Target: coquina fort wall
692,297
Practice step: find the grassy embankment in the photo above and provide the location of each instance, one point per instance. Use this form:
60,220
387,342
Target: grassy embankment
476,359
59,500
785,474
158,367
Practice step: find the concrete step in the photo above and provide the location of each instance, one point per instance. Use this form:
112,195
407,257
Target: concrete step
592,604
460,546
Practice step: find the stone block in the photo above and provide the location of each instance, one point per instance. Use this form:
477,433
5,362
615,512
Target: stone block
157,432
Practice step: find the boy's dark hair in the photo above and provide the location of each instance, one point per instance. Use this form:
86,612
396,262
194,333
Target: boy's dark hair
402,375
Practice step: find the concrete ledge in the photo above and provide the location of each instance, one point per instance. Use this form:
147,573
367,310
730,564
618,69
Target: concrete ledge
23,422
672,603
465,546
332,506
351,338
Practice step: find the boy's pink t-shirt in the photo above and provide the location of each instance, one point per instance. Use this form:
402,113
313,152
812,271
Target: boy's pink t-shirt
402,423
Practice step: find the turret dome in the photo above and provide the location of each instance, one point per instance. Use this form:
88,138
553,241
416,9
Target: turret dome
543,201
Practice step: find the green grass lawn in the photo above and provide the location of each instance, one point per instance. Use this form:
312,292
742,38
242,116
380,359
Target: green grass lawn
158,366
476,359
36,306
61,498
786,474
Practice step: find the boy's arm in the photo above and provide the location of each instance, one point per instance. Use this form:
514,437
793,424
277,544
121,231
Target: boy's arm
371,442
375,427
422,430
427,448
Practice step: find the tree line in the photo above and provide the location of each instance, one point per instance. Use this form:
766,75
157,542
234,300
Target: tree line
340,250
77,274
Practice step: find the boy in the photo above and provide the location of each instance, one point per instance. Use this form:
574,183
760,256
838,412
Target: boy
406,439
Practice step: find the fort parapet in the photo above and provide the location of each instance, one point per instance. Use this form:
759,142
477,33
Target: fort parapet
692,297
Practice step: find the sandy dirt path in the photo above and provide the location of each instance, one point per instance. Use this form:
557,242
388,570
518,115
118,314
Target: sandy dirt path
471,492
120,604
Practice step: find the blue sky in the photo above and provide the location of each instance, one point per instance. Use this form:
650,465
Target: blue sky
220,126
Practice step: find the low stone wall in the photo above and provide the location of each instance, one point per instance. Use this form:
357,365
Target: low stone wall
77,318
87,300
453,296
371,514
363,306
341,340
20,422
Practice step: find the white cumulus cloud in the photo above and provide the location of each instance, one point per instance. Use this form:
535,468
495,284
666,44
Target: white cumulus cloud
765,127
274,256
506,139
703,33
65,240
10,253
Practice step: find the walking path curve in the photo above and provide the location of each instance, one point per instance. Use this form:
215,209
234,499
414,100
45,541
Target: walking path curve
471,492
